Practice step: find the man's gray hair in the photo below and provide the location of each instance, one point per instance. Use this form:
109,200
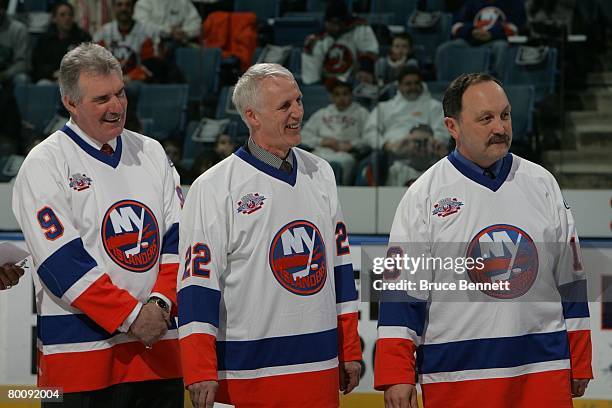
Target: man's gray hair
87,57
246,92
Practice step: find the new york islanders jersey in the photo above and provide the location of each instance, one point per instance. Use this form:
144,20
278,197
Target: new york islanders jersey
103,234
514,346
267,299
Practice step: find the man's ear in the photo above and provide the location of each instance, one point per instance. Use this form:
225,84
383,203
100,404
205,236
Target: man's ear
251,117
69,104
453,127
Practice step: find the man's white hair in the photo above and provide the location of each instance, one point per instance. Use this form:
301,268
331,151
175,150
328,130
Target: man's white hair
246,92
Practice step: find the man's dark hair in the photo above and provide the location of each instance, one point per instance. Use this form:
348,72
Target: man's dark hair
59,4
409,70
454,93
339,84
337,10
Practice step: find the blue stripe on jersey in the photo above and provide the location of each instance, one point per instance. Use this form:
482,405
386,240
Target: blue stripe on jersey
491,184
345,283
572,310
277,351
65,266
269,170
112,160
68,329
171,240
198,304
492,353
405,312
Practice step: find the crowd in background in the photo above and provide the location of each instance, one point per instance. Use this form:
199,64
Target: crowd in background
383,126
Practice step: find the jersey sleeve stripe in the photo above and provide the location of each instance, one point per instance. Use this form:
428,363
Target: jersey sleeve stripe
277,351
197,328
347,307
65,267
573,310
583,323
77,328
407,314
171,240
345,283
398,332
198,304
493,352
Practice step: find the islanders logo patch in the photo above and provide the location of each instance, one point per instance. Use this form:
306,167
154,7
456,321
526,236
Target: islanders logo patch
130,234
509,254
79,182
446,207
297,258
250,203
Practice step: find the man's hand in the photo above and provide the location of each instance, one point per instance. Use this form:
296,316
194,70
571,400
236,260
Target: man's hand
9,275
150,325
481,34
579,386
202,394
350,372
401,396
178,34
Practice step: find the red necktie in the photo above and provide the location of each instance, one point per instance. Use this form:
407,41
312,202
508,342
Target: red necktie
106,148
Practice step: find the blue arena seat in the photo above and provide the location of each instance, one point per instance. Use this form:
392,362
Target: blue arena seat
314,97
37,103
451,61
292,30
201,68
401,9
522,100
542,76
166,105
226,109
427,40
264,9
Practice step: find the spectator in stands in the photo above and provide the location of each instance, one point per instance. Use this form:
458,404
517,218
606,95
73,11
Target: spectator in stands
174,151
14,47
488,23
347,50
418,152
177,21
335,132
224,146
133,43
391,121
62,36
401,54
92,14
202,162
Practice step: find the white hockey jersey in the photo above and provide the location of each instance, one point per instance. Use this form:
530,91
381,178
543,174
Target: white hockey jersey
513,347
103,234
346,126
130,49
326,56
267,298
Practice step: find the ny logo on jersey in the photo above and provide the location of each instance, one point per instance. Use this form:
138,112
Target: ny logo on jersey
130,235
509,255
297,258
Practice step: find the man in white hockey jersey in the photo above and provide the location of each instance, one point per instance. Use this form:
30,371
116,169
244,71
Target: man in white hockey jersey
519,336
99,208
267,299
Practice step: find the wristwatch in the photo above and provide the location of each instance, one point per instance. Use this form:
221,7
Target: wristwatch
159,302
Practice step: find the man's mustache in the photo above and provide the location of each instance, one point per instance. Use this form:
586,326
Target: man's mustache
499,138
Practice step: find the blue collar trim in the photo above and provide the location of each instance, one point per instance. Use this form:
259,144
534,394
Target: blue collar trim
478,177
269,170
112,160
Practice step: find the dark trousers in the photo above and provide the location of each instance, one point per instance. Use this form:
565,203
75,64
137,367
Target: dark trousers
145,394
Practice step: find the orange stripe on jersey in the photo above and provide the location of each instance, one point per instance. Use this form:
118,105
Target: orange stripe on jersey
199,357
105,303
93,370
580,353
314,389
550,389
166,283
394,362
349,345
